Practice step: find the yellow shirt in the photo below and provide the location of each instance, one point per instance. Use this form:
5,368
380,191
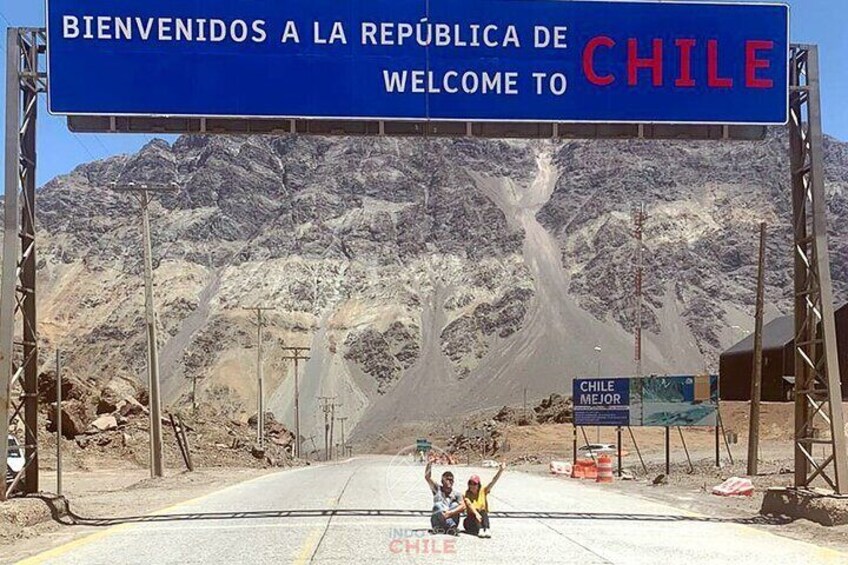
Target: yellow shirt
479,503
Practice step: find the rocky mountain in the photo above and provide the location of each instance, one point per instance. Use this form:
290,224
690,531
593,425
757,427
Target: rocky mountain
428,276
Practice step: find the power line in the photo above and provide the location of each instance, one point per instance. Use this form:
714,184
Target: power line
87,150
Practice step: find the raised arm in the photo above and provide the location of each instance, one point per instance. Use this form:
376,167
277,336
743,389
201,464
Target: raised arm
427,472
495,478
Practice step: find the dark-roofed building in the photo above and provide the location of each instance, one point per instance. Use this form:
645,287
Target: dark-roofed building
778,384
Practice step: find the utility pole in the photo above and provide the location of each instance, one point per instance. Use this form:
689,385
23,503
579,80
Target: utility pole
333,406
143,193
326,403
525,404
757,376
598,428
260,401
296,356
194,378
342,421
638,228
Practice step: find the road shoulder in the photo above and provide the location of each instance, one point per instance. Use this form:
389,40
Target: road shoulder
685,496
29,527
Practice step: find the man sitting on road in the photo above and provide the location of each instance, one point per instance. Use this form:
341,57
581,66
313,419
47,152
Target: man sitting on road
447,503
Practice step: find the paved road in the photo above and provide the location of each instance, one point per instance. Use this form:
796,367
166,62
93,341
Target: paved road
339,514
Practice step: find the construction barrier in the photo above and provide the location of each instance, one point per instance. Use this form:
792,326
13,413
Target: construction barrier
604,469
584,469
560,468
577,470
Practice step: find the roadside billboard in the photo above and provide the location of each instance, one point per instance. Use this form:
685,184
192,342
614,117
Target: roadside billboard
679,400
436,60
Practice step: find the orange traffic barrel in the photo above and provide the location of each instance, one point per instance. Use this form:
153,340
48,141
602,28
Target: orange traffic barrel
604,469
590,470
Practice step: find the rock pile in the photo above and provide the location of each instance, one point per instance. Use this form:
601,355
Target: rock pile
556,409
113,421
485,439
275,431
514,416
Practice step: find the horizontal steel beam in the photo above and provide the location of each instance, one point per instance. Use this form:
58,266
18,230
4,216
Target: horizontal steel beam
527,130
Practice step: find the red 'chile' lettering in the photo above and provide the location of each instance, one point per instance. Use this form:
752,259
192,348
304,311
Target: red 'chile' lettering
713,80
589,61
752,64
685,46
753,75
654,62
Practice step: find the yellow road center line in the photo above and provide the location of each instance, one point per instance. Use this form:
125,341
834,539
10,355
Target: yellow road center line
305,553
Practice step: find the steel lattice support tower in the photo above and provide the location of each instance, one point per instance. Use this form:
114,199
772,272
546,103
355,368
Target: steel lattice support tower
25,51
818,393
639,218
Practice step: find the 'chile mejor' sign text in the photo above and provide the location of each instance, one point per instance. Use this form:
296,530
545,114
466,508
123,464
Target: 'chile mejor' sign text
499,60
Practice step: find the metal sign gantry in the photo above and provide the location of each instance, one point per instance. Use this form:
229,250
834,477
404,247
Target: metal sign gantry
25,80
818,392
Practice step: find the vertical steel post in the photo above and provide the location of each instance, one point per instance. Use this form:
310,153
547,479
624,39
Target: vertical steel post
573,444
10,235
618,448
58,424
717,444
818,392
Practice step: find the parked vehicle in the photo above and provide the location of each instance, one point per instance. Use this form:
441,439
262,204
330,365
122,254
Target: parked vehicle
15,459
595,449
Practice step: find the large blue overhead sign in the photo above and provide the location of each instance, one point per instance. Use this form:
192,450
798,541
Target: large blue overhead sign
502,60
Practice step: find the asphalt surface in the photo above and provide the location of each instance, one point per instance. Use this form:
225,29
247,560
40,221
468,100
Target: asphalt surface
375,510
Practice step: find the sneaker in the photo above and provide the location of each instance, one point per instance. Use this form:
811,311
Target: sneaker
481,533
486,533
453,532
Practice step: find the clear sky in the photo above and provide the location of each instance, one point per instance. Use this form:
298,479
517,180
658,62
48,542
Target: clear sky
59,151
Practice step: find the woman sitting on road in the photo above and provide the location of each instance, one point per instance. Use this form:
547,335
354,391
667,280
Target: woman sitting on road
477,505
